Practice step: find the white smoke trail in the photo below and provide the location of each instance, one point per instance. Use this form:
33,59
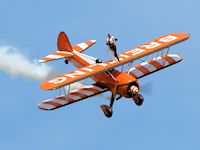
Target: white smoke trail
16,64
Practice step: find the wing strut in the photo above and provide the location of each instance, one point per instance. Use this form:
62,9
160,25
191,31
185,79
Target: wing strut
68,88
130,65
60,91
122,68
165,55
110,74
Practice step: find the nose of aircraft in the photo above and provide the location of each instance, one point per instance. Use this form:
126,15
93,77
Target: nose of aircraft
134,89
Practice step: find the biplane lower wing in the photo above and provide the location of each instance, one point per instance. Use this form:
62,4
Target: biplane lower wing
154,65
128,56
73,96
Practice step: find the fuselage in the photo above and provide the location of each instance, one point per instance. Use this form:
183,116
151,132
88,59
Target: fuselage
107,79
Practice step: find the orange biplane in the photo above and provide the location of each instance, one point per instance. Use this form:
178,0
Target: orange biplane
123,83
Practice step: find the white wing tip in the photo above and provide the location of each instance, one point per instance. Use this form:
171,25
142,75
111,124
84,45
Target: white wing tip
45,106
41,61
176,57
93,41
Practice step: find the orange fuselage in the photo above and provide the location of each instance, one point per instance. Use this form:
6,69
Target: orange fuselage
111,78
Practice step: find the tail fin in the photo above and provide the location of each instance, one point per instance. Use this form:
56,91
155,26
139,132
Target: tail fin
65,50
63,43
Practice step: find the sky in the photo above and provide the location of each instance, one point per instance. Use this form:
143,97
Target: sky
170,115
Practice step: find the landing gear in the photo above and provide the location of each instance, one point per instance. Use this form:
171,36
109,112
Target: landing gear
138,98
119,97
107,110
66,62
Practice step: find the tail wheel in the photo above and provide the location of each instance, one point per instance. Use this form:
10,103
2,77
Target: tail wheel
107,110
138,98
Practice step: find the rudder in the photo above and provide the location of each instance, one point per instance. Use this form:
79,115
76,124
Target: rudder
63,43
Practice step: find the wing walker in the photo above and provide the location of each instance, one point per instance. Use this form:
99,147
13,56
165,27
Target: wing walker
153,56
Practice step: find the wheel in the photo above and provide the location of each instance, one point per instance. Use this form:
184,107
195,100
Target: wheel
138,99
66,61
107,110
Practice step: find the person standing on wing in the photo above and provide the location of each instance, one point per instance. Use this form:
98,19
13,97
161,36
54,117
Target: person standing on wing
111,43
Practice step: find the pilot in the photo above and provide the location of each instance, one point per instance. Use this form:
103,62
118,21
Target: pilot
111,43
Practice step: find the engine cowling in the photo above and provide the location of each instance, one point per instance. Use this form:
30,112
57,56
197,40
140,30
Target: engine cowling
127,85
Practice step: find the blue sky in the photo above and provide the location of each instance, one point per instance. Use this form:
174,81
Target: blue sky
170,116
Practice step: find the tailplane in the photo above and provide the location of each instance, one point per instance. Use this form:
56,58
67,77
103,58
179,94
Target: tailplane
65,50
64,44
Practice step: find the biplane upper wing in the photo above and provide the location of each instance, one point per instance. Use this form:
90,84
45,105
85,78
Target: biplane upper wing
73,96
128,56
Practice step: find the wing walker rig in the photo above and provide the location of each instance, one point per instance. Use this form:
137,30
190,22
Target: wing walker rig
124,83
